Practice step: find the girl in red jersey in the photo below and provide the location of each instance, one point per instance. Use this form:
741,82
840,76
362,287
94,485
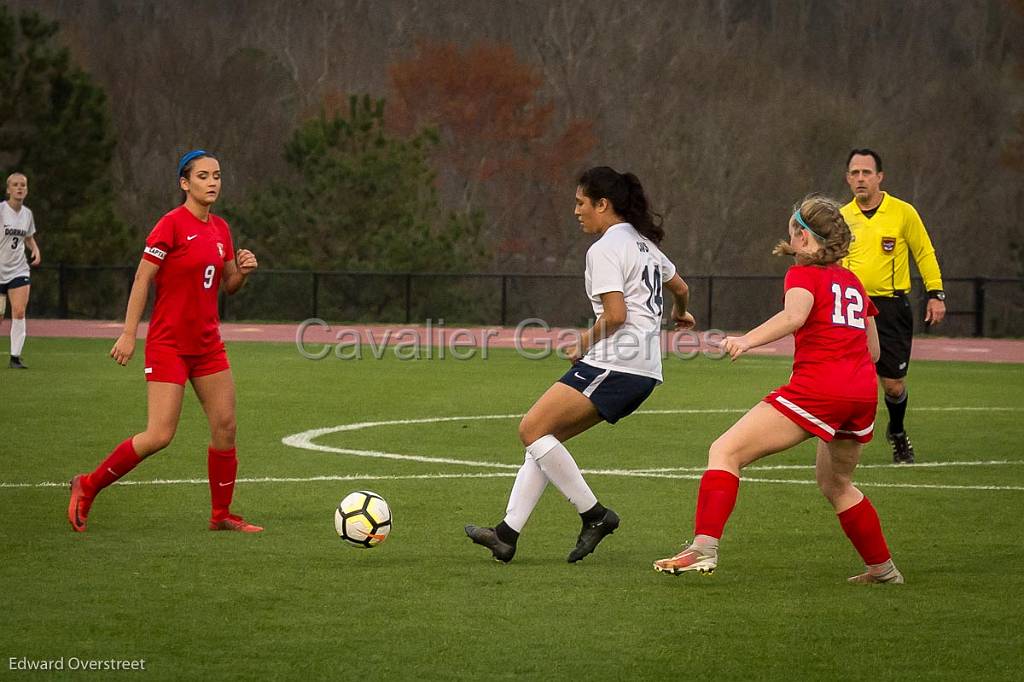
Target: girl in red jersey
189,256
831,394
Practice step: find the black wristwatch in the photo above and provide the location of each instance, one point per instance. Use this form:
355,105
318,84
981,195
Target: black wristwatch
937,294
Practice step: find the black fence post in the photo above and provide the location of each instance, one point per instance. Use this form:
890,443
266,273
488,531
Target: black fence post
316,293
408,297
504,300
979,306
62,291
711,299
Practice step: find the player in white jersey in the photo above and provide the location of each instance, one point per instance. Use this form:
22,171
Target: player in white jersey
616,363
18,231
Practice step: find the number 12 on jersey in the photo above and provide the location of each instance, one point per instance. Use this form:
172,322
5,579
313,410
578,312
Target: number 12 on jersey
849,307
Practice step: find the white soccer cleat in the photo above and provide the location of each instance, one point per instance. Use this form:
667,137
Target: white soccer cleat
893,577
692,558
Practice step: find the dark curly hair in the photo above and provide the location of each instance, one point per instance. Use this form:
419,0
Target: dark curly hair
627,197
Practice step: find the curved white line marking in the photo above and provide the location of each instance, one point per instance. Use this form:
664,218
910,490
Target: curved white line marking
304,440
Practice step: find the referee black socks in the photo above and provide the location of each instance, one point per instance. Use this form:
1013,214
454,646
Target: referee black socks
897,409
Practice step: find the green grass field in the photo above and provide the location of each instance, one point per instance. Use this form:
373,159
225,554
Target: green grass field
148,581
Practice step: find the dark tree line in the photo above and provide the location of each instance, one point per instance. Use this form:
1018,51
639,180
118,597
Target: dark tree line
727,110
55,127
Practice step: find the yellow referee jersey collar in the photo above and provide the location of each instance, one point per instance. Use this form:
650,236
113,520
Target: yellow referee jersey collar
879,209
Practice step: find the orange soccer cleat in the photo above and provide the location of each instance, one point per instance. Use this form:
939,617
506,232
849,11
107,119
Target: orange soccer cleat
81,501
235,523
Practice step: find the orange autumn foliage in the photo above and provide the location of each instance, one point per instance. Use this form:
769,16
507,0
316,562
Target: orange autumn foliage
488,108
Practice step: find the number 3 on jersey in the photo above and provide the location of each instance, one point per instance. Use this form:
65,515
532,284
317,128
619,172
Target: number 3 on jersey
208,276
850,314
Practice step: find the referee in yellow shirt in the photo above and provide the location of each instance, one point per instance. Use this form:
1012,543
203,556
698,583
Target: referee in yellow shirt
885,232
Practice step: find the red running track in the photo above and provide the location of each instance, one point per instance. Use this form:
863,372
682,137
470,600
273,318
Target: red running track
925,347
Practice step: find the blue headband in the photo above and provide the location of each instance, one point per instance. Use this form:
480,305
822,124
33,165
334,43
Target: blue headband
190,156
800,219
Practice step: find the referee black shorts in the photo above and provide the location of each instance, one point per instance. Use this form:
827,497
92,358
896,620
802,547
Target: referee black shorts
895,323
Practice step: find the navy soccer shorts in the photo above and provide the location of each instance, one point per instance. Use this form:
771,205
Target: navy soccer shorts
614,394
15,283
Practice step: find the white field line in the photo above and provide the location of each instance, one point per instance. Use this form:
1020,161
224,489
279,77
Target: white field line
304,440
439,476
892,467
274,479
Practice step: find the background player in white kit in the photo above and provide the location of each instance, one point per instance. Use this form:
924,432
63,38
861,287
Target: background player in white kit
17,230
616,363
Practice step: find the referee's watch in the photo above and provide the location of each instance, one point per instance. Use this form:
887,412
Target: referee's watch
937,294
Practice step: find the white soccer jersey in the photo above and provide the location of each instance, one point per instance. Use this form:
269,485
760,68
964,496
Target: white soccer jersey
16,226
624,260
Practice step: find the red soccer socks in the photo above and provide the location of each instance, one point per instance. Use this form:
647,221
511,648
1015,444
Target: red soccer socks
84,487
221,465
860,523
118,463
715,501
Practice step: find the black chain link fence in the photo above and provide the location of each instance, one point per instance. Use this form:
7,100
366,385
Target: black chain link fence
977,306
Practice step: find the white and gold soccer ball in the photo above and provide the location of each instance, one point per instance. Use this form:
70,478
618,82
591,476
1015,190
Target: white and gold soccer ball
363,519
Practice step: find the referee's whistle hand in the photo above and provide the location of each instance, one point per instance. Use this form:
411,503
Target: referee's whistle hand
935,312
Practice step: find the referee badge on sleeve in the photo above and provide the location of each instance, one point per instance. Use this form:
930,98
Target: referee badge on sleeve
888,244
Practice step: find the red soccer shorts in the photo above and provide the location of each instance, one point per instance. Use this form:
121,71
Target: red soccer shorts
825,417
168,366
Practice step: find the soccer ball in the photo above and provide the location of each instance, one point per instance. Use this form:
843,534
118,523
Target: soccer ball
363,519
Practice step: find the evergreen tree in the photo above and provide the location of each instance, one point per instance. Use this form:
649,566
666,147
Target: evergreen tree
55,127
358,199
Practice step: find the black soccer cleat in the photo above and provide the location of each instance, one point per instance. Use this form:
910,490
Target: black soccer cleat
902,450
16,363
486,537
592,534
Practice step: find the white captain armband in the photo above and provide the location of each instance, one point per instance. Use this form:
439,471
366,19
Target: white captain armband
155,252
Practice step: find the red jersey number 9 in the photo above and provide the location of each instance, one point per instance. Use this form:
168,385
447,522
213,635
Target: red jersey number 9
850,314
211,271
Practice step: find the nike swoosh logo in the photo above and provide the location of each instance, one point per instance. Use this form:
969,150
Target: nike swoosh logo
224,485
112,471
191,238
579,376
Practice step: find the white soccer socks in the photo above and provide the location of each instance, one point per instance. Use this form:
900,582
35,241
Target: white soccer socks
526,492
560,468
17,336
